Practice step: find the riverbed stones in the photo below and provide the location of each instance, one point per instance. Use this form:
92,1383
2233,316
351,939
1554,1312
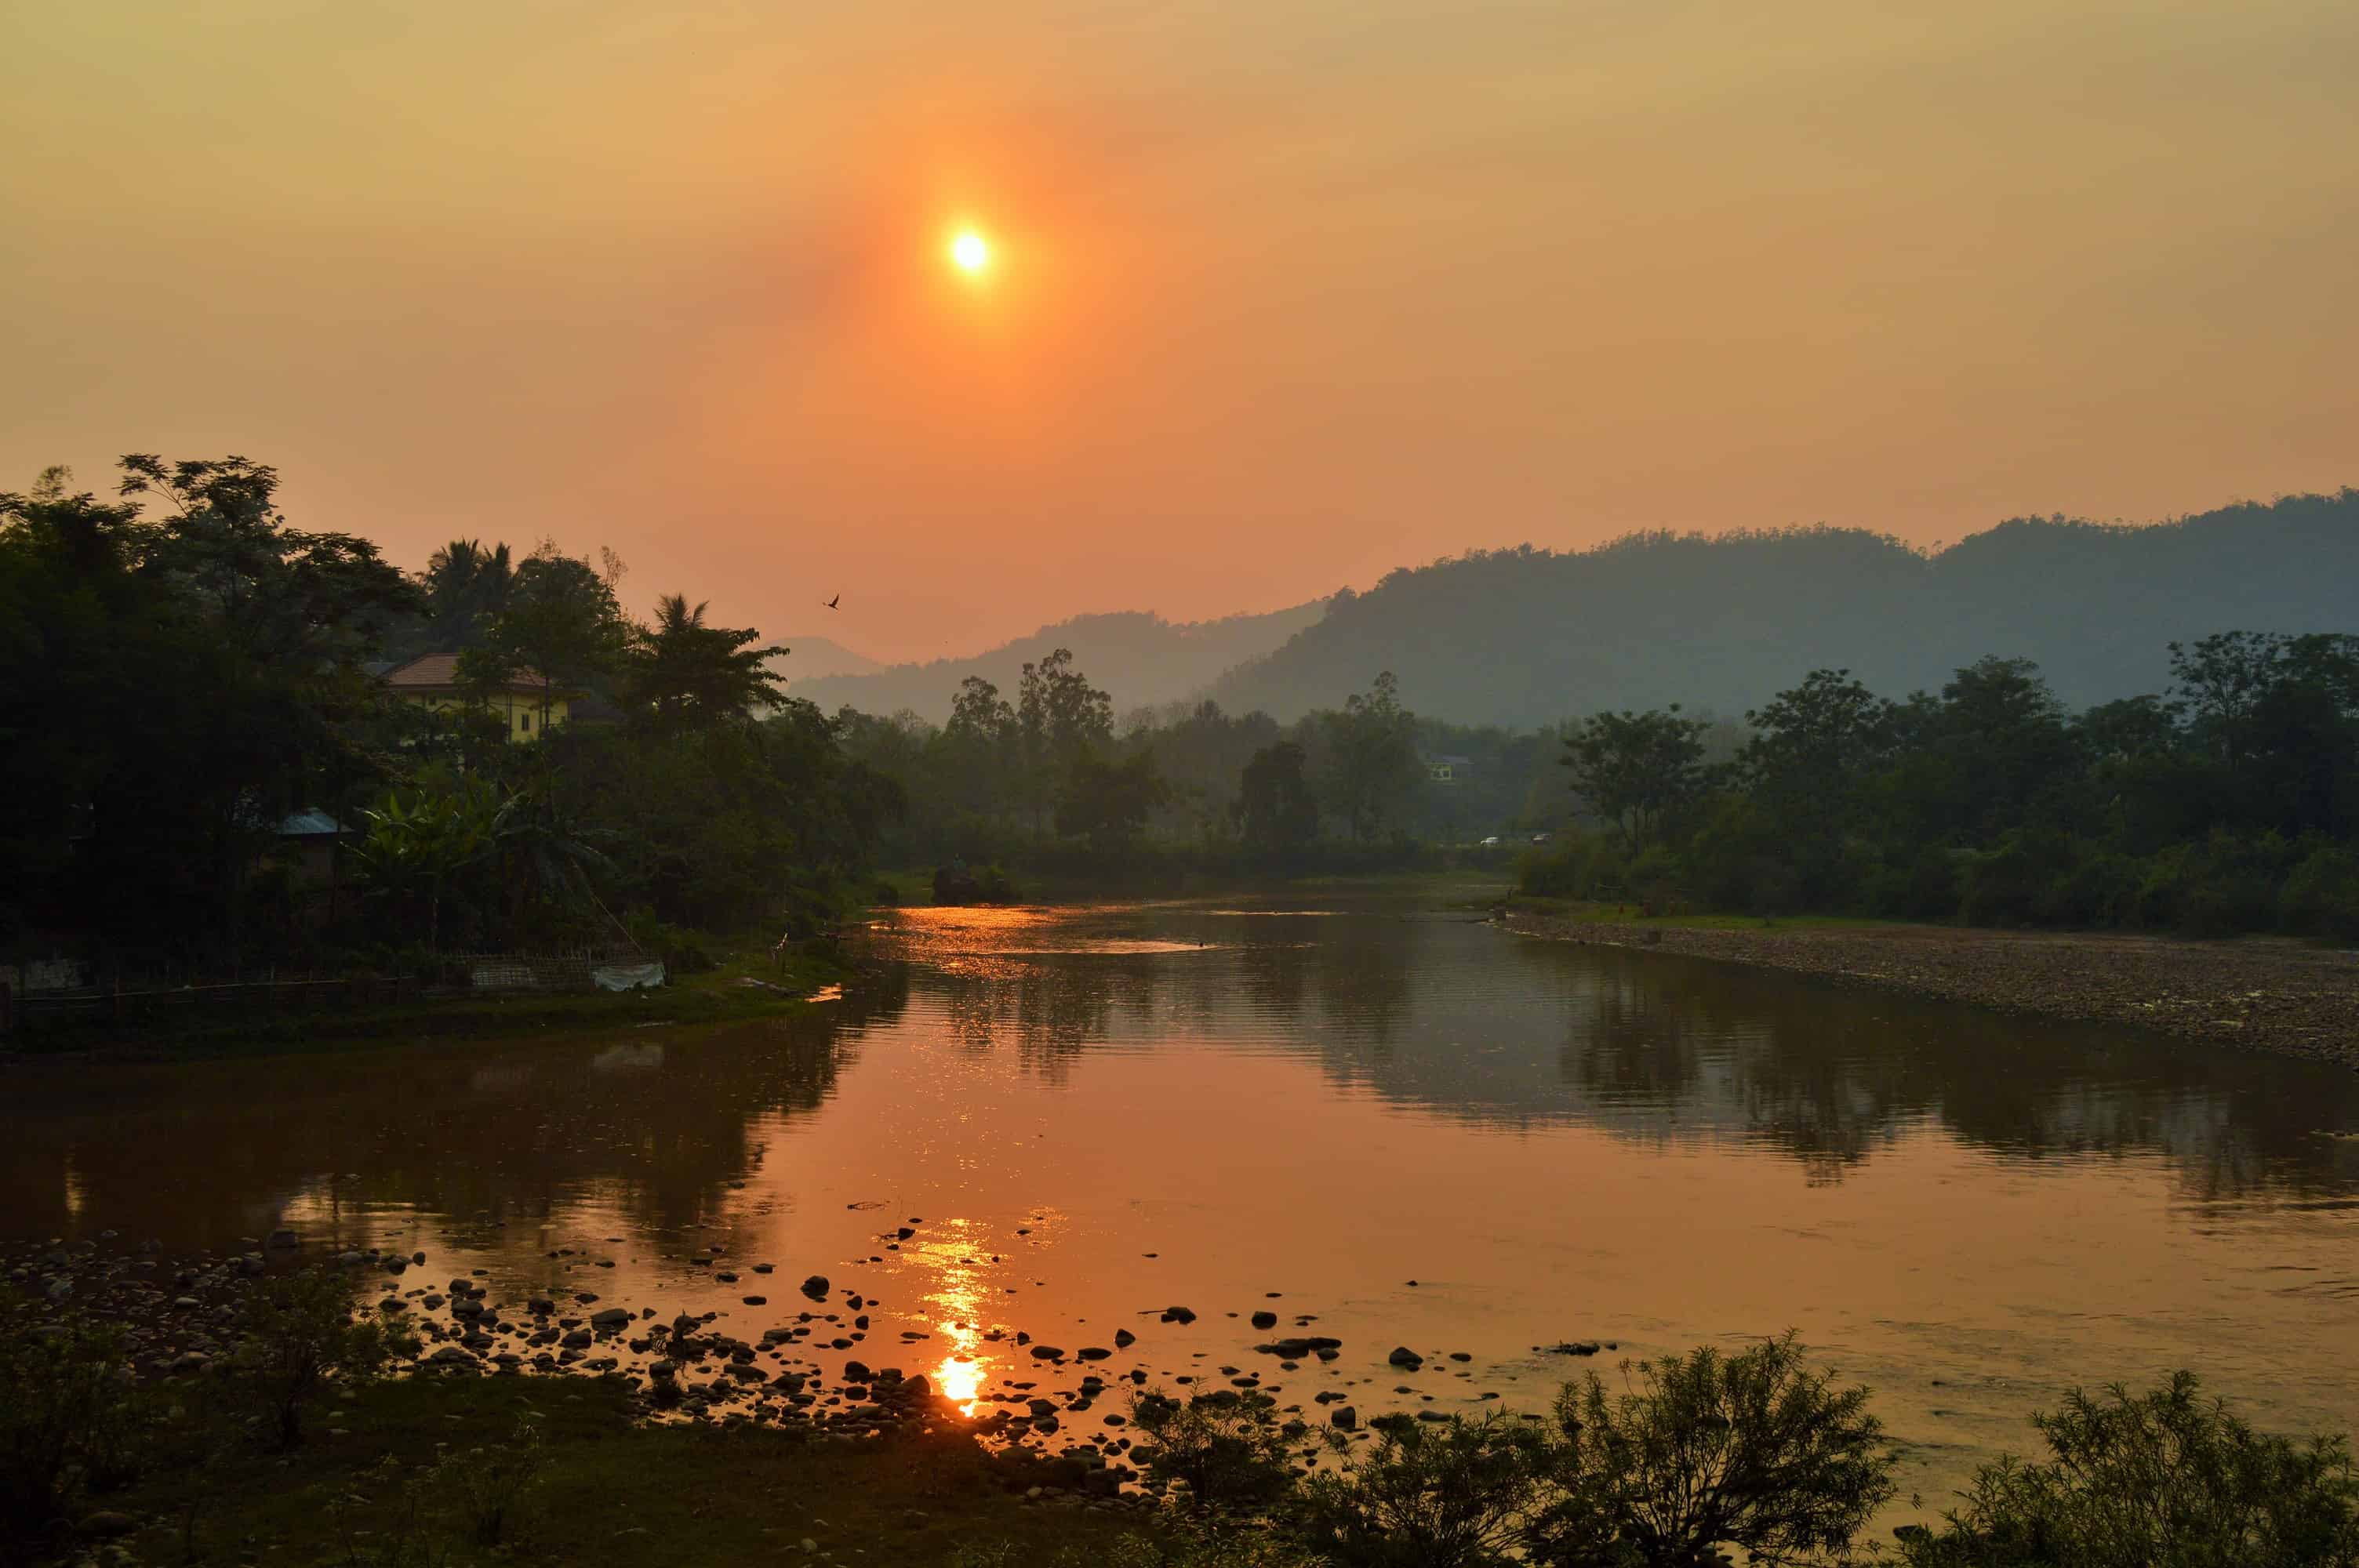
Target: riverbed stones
815,1287
1403,1356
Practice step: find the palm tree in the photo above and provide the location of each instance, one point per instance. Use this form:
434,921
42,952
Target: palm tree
688,672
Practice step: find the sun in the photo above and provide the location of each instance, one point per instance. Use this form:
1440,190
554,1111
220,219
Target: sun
970,251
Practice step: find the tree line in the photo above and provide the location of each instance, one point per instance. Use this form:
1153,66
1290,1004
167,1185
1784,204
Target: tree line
1048,779
2228,801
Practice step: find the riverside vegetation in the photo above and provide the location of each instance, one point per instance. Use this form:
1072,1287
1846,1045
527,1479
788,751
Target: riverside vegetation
2228,803
293,1441
687,794
186,669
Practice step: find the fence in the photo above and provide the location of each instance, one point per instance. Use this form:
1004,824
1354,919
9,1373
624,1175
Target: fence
32,1010
558,969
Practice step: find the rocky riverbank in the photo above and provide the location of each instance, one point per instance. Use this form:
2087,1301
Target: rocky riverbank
2257,994
1054,1422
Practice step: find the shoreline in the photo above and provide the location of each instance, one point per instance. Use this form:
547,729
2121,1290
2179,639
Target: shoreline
738,988
2249,994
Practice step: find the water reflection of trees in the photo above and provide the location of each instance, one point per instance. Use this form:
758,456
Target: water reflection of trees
655,1124
1654,1048
1828,1075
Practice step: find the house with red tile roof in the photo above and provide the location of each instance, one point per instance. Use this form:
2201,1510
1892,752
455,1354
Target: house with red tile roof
526,702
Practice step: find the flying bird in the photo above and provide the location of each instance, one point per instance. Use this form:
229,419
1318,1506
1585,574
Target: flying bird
836,600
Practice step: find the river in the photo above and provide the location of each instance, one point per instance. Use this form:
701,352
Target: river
1377,1119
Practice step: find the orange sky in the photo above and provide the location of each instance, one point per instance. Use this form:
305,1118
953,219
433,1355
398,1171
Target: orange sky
1286,294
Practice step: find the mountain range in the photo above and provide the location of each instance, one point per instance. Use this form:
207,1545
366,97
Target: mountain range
1140,658
1524,637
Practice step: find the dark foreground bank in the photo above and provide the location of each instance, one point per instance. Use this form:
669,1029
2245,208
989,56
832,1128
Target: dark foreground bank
286,1439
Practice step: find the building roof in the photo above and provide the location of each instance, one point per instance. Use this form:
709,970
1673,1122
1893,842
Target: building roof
439,672
309,824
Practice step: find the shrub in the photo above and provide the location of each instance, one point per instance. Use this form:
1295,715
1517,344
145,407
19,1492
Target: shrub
2321,898
1453,1494
1752,1451
1574,865
955,883
488,1485
68,1422
2164,1480
2097,889
298,1334
1224,1446
1922,886
2003,887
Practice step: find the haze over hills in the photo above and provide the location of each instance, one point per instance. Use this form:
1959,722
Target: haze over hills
1141,659
1524,637
815,658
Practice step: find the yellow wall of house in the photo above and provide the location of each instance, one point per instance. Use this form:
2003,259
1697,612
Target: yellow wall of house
520,710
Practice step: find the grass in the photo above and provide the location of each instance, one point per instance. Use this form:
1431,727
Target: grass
611,1491
1591,911
714,997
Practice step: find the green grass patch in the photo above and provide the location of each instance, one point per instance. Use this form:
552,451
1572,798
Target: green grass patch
716,996
608,1490
1593,912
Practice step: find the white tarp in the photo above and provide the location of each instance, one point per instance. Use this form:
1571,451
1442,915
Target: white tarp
624,976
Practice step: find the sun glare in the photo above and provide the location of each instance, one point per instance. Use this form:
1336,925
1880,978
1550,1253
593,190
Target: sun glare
971,252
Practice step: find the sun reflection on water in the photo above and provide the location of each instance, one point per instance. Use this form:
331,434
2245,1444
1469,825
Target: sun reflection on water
954,1301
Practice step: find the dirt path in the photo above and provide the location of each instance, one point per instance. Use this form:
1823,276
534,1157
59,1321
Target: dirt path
2258,994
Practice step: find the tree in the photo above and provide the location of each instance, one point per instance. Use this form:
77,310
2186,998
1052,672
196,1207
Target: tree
2281,714
296,1335
310,603
465,585
1992,754
1813,749
1060,717
1704,1452
236,641
686,672
2166,1479
1457,1494
1368,765
1276,813
1225,1445
418,847
1636,769
561,627
1109,803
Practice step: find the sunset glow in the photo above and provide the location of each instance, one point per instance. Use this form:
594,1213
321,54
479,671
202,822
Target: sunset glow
970,253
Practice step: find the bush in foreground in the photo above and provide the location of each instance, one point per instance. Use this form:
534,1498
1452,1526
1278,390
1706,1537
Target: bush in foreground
297,1335
1705,1451
2166,1479
1700,1456
1224,1446
1457,1494
69,1424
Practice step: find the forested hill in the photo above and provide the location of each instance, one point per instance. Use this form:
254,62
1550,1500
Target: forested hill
1141,659
1526,636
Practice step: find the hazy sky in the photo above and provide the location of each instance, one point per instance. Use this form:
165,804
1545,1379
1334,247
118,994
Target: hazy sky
1285,293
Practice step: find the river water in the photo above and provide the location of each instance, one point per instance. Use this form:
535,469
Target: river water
1406,1128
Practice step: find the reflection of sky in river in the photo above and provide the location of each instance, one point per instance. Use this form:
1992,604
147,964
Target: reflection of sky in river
1085,1117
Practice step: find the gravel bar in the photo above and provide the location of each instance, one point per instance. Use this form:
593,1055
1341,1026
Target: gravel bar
2252,993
